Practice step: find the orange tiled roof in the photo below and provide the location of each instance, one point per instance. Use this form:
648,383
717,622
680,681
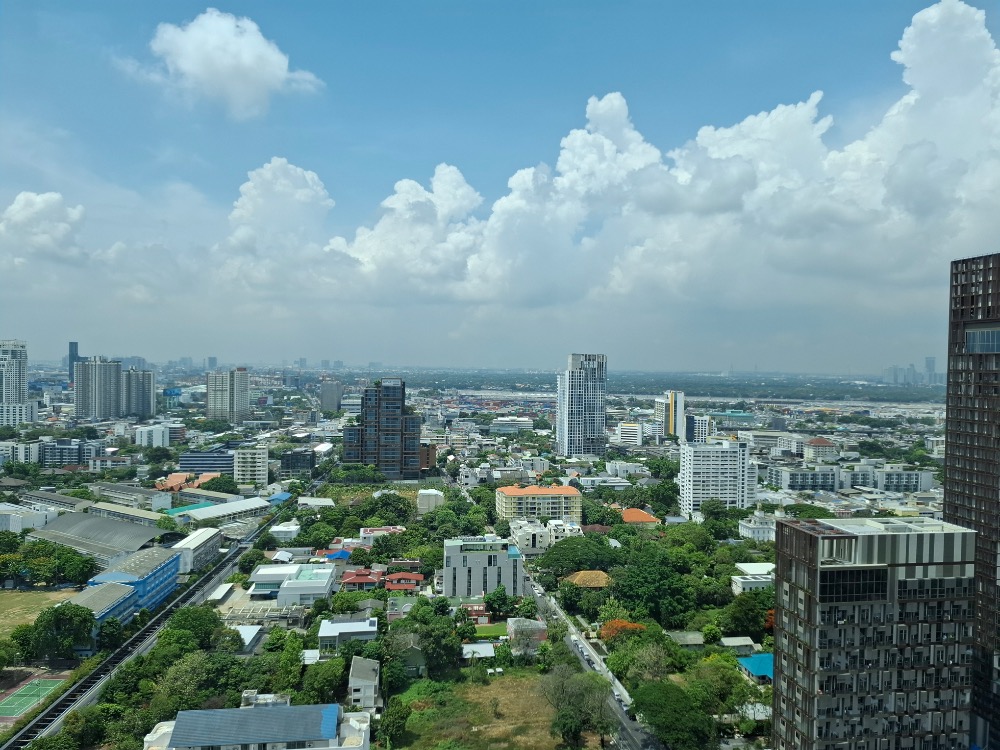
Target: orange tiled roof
536,490
636,515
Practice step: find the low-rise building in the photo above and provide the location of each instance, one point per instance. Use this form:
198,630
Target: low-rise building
234,511
369,535
361,579
197,495
126,514
199,548
477,565
106,540
133,497
532,538
363,684
332,635
639,517
404,581
287,531
293,584
428,500
151,572
565,503
18,518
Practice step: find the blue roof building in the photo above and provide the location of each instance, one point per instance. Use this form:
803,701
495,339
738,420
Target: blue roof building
151,572
759,668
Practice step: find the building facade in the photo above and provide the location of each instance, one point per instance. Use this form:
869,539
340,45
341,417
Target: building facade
153,436
477,565
138,393
668,410
227,395
250,465
385,436
972,463
581,399
97,389
330,393
563,503
716,471
15,408
873,634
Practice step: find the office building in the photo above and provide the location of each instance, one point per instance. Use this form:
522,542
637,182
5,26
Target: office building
873,634
581,421
298,463
716,471
477,565
385,436
698,428
563,503
330,393
218,458
72,358
250,465
668,410
153,436
972,464
15,409
138,393
227,396
198,549
97,387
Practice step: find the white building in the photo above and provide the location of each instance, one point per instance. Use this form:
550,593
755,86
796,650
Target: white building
668,410
699,428
293,585
510,425
332,635
625,469
428,500
153,436
250,465
628,433
476,565
368,535
132,496
227,396
17,518
819,449
97,388
15,409
716,471
532,538
565,503
199,548
287,531
581,421
363,684
23,453
234,511
759,526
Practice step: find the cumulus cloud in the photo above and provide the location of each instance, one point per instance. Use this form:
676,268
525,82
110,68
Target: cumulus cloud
220,57
39,225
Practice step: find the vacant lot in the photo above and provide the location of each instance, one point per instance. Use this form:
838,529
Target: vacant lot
462,717
18,607
492,631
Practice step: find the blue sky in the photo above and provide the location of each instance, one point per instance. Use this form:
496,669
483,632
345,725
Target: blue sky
125,143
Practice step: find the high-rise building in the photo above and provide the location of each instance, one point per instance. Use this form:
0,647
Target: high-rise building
15,408
872,634
227,396
716,471
668,410
972,464
73,357
138,393
213,363
330,393
97,388
581,419
250,465
13,372
385,436
699,428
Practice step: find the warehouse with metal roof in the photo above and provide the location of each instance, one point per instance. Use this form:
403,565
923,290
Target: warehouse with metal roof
104,539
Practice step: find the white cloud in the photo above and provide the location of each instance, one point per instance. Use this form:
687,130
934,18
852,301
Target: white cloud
220,57
39,225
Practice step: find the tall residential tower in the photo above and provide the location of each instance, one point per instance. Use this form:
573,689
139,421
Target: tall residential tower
15,408
385,436
972,464
668,410
581,421
227,395
97,388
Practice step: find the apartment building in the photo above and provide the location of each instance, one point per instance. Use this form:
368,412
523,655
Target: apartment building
716,471
97,385
564,503
581,401
873,634
534,538
668,410
250,465
227,395
385,436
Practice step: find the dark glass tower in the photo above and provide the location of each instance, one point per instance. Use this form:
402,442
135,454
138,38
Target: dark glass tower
972,464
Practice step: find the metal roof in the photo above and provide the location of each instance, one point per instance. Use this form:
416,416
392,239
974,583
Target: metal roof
107,532
242,726
99,599
142,563
125,510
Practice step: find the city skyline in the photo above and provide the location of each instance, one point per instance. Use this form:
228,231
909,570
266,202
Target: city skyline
715,178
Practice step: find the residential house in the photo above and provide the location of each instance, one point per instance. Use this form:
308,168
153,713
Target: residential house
361,579
363,684
332,635
404,581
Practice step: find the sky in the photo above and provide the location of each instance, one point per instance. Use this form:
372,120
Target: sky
681,186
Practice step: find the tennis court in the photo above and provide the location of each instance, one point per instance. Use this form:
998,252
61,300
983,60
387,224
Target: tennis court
31,694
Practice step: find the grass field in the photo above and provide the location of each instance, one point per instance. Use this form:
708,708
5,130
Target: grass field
19,607
461,717
492,631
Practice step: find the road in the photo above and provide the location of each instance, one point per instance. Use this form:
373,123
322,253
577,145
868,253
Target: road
630,734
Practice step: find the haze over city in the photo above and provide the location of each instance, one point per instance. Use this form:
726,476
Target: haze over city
681,187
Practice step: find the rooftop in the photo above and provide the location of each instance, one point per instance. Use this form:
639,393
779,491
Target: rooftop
759,665
149,515
534,489
143,562
99,599
104,532
236,726
364,669
637,515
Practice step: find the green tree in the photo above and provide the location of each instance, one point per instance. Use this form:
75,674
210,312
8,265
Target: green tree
10,542
202,622
58,629
166,523
498,603
393,724
157,455
110,634
250,559
224,483
712,634
669,712
322,681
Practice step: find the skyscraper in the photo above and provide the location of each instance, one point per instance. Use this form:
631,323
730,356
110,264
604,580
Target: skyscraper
972,463
227,395
97,388
581,421
330,394
213,363
385,436
872,634
72,358
668,410
15,408
138,393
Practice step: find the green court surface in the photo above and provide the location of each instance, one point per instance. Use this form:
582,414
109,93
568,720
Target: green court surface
29,695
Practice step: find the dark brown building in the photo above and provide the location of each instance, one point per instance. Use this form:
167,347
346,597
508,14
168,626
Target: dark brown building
972,463
385,436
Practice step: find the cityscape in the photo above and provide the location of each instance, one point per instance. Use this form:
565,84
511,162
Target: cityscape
685,446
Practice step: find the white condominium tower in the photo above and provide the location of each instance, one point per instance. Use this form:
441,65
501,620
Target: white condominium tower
97,388
580,409
227,396
138,393
716,471
668,410
15,408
